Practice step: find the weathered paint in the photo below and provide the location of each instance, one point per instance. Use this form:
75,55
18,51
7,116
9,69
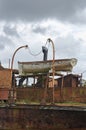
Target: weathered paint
31,94
5,78
39,116
27,68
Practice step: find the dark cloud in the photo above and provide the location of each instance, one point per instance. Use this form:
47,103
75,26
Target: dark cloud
10,31
40,9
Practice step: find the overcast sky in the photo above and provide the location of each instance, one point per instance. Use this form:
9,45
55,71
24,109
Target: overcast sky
32,22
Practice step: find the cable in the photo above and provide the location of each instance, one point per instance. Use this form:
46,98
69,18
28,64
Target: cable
34,54
40,51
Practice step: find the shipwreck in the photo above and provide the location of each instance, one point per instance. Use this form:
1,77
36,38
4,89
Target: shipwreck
24,106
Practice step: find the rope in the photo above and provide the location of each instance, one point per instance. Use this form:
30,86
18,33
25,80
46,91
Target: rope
34,54
40,51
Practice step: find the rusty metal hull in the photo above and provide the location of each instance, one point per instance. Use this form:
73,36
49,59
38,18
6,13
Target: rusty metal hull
40,116
26,68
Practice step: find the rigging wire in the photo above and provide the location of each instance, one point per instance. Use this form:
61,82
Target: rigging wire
39,51
34,54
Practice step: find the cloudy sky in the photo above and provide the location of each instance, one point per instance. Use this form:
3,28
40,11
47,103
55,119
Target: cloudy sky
32,22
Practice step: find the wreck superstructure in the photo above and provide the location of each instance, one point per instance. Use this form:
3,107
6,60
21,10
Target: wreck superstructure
40,71
27,68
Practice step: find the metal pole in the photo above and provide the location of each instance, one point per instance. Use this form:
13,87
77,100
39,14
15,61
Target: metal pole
53,67
12,85
62,83
15,53
82,77
81,80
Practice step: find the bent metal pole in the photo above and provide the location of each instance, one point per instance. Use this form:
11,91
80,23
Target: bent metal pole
12,86
15,53
53,67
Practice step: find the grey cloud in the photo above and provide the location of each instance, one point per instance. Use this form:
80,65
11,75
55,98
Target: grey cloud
68,47
40,9
80,17
38,29
4,41
1,46
10,31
